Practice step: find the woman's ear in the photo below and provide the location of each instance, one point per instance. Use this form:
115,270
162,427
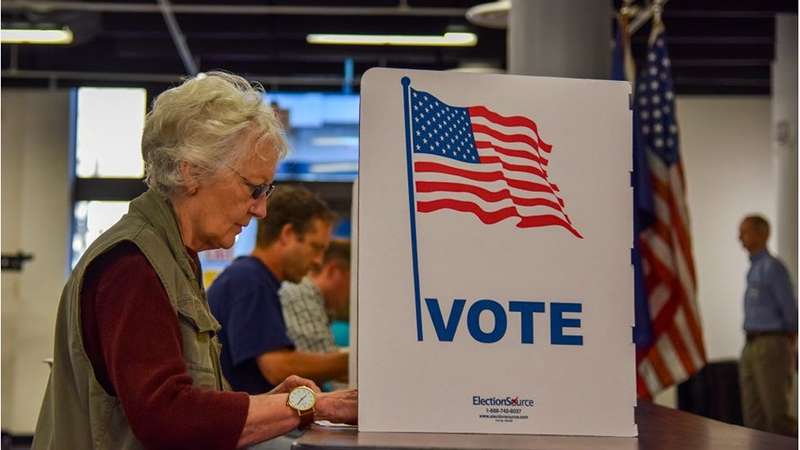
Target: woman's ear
187,171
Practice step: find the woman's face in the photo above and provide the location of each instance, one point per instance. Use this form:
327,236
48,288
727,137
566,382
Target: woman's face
224,204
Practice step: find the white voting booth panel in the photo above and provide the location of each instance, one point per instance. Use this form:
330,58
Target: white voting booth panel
495,286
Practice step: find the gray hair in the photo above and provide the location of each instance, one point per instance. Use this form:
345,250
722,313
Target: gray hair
200,122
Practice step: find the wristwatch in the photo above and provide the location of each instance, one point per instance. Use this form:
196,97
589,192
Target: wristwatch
302,399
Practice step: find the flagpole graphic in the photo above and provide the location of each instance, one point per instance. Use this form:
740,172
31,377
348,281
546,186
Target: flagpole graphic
406,82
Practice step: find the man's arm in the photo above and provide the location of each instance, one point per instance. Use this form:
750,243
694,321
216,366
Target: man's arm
320,367
781,285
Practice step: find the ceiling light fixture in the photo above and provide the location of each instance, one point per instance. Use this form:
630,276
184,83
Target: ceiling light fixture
36,36
447,40
490,15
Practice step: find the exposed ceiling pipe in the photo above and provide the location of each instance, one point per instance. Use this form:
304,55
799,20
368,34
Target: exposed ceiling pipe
401,10
177,37
266,80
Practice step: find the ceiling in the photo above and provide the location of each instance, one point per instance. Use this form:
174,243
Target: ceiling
717,46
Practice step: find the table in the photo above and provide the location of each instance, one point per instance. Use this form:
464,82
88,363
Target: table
659,429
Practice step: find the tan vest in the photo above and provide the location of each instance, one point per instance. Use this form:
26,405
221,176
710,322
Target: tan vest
77,413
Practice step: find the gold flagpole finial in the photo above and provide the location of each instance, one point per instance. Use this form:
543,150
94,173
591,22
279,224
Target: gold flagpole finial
628,9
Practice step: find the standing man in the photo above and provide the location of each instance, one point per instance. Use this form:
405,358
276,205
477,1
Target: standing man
256,351
770,323
324,293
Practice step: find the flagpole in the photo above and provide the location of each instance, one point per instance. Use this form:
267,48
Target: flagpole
412,210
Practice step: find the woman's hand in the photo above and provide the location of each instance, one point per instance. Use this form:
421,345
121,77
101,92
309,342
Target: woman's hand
291,382
338,406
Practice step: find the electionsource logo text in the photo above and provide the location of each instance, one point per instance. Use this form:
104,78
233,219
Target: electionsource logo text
477,400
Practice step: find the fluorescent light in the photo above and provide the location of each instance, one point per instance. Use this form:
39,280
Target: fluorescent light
490,15
448,39
29,36
335,141
333,167
477,67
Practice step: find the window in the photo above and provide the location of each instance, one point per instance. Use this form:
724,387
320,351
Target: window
90,220
322,129
107,124
109,132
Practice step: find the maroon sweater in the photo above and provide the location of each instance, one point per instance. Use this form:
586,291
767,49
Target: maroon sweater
131,335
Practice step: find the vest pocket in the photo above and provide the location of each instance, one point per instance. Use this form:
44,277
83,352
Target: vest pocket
198,333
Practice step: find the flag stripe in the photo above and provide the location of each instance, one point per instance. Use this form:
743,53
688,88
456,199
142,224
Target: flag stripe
424,166
677,182
646,379
681,232
491,217
691,316
490,153
488,156
683,262
662,318
681,349
512,152
512,121
514,167
480,165
534,210
661,250
491,186
659,296
668,315
503,137
669,352
682,325
489,196
491,167
667,207
659,367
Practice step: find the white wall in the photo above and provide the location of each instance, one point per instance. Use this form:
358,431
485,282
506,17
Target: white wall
729,173
784,146
726,150
35,219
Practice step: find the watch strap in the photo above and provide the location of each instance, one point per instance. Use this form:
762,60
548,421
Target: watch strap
306,418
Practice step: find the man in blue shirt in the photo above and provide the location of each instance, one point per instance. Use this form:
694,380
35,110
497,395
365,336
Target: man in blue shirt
256,351
770,323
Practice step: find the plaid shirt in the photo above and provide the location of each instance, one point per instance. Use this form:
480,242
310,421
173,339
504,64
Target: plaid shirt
307,322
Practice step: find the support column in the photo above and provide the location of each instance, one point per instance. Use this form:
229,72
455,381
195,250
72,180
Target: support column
784,142
564,38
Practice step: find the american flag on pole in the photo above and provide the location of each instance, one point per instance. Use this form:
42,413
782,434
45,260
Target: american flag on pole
476,161
672,349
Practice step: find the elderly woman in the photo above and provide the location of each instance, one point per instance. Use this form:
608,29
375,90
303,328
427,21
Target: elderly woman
136,357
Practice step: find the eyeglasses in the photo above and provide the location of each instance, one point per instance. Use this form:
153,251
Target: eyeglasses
258,190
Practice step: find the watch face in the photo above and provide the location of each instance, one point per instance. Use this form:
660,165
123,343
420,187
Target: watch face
302,398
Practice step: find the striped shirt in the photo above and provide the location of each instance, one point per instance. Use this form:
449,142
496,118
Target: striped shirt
307,321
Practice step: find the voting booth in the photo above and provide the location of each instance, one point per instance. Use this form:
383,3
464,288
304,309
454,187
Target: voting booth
495,286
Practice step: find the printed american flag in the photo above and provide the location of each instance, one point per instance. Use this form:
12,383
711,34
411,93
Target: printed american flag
675,349
474,160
